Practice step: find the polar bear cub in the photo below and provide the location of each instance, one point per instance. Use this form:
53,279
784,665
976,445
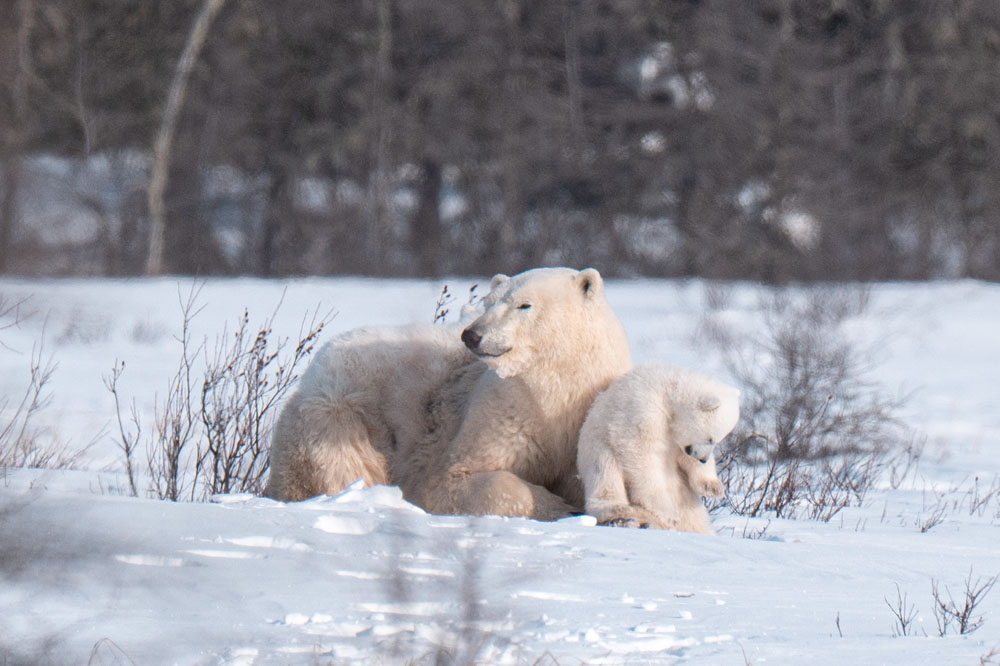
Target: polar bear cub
646,449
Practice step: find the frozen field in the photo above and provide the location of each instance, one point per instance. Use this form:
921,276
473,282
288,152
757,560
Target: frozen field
89,575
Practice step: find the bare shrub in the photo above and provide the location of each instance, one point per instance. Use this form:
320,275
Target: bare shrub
243,382
41,653
441,307
22,443
962,617
755,532
904,613
176,421
108,653
933,509
212,427
980,497
814,434
904,462
146,332
84,329
445,298
10,314
933,519
128,441
991,658
469,635
19,438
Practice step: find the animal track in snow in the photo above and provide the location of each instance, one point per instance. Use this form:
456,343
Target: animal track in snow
423,571
225,554
654,629
360,575
654,643
240,657
324,624
280,543
150,560
332,524
405,608
547,596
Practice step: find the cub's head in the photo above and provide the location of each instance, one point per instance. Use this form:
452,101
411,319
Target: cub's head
703,416
537,316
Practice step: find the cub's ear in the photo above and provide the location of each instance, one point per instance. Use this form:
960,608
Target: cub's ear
497,280
709,402
590,282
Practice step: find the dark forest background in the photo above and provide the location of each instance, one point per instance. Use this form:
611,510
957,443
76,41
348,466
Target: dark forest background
769,140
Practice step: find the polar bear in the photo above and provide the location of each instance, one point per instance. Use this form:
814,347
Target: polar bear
504,432
361,395
481,422
646,450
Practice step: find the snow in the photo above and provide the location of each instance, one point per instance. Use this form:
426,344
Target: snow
90,575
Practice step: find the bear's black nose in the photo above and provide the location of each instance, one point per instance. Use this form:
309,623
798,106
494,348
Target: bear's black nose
471,339
690,450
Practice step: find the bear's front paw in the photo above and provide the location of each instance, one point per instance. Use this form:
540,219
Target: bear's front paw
637,516
710,488
625,521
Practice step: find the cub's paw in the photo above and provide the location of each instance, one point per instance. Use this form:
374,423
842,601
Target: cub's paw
624,521
709,488
637,517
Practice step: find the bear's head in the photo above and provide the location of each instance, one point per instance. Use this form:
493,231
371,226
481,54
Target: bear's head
542,315
703,418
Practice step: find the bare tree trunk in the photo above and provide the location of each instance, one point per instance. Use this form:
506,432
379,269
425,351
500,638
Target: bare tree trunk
377,232
10,179
427,234
267,248
506,251
15,134
574,87
165,136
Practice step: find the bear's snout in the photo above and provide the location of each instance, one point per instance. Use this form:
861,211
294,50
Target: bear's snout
471,338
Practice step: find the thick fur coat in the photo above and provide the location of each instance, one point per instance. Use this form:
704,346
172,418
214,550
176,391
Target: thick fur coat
485,427
646,451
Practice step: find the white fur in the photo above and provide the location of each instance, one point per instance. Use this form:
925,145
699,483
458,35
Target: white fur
493,433
361,396
631,454
550,343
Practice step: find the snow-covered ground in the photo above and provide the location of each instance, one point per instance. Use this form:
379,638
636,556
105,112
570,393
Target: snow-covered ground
90,575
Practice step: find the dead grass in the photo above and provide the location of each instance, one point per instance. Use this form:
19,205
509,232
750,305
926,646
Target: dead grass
814,434
213,423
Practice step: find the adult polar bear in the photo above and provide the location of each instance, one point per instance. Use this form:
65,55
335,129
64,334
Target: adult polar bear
485,428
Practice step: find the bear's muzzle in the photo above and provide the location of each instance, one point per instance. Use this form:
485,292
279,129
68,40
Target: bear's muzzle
471,338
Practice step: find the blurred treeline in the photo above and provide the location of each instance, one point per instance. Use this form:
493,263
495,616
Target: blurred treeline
773,139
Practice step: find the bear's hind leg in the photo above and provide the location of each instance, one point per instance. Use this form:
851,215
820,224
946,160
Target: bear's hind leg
610,501
321,448
497,493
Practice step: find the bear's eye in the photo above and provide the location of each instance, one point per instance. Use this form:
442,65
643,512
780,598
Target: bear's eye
524,306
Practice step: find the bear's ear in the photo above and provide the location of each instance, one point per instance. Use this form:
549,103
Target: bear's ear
497,280
590,282
709,402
